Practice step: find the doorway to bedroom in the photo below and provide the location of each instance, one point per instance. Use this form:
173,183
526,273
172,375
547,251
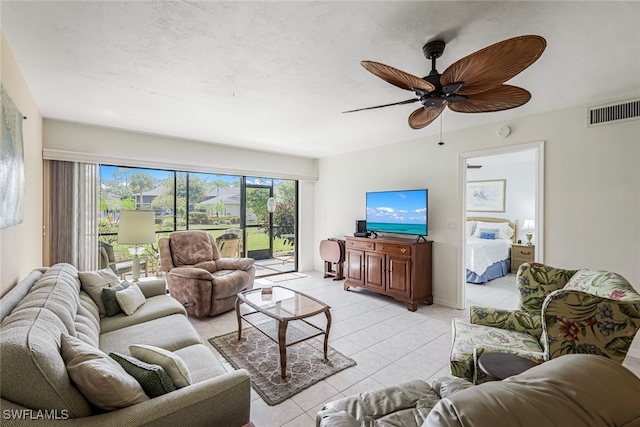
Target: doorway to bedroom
502,208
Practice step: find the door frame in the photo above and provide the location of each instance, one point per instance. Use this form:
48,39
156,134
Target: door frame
538,149
264,253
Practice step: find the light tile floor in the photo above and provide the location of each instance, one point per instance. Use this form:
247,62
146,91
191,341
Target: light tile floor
390,344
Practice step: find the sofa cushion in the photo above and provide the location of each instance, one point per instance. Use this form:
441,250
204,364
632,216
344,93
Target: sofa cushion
154,308
34,374
191,248
202,363
153,378
130,299
12,298
173,364
170,332
94,281
100,379
88,320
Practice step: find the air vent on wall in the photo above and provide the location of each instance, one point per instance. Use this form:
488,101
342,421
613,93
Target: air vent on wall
613,113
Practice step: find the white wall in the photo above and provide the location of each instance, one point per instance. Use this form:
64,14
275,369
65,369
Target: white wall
592,191
21,244
73,141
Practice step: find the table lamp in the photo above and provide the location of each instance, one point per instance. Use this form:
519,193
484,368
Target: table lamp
528,225
136,228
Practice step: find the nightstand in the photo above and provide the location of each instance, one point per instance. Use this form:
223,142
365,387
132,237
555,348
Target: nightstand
521,254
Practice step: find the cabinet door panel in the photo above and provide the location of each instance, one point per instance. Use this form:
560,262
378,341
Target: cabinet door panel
399,270
374,271
355,263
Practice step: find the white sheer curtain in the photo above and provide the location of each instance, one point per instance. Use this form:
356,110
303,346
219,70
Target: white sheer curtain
74,208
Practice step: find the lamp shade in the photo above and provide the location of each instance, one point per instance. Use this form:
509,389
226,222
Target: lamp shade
528,224
136,228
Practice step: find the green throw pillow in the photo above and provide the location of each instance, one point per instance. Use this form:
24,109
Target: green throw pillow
109,297
153,379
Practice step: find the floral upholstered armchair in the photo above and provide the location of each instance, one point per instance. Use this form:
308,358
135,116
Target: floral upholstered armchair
560,312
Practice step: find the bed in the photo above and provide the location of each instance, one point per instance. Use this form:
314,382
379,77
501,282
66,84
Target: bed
488,248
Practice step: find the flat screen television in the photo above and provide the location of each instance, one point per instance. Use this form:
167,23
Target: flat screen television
399,212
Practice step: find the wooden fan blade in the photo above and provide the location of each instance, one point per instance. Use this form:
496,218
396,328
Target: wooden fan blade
397,77
423,117
495,64
408,101
499,98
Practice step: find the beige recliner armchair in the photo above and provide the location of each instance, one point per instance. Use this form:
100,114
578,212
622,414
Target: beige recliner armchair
197,276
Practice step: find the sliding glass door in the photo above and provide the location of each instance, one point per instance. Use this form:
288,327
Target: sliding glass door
219,204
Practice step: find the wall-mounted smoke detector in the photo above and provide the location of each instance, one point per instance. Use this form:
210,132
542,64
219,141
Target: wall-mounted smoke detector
504,131
616,112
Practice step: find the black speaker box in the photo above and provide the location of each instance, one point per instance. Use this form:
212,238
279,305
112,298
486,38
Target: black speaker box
361,226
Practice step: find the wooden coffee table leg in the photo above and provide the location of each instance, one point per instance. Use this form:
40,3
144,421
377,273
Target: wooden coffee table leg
239,318
282,343
326,333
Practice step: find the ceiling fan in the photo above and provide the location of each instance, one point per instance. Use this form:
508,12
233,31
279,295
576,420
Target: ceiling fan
474,84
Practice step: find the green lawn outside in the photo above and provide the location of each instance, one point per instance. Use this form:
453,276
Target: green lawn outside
256,239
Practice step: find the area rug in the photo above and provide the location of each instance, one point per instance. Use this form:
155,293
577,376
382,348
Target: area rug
261,357
284,277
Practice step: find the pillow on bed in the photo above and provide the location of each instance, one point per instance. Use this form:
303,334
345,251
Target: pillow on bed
471,226
489,234
504,231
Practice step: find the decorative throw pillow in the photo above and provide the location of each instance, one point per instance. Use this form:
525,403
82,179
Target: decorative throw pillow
504,231
488,234
170,362
153,379
130,299
92,282
101,380
109,297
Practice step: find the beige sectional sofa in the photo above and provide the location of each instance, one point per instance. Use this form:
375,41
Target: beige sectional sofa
35,384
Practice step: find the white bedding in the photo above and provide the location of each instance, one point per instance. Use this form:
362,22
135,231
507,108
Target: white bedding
481,253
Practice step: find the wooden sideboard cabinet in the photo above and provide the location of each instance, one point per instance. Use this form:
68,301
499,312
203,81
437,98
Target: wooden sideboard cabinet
399,268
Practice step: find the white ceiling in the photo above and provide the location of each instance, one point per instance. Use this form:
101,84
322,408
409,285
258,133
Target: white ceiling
276,76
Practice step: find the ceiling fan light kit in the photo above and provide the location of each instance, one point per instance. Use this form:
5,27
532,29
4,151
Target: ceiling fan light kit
473,84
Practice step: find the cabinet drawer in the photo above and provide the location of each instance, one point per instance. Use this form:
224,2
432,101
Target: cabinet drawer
353,244
523,253
392,248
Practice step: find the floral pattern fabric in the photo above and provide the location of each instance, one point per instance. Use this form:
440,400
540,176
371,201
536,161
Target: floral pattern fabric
470,341
511,320
561,312
536,281
580,322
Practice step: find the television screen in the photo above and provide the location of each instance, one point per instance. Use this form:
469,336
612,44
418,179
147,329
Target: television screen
401,212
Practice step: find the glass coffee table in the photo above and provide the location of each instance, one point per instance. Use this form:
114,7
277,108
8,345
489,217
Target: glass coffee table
282,314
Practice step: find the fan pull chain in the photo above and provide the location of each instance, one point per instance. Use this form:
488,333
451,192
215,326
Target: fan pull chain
441,142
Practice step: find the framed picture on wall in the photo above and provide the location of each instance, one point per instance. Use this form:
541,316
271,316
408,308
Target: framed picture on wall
11,162
486,196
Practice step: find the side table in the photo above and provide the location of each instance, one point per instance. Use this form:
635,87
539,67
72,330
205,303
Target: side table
503,365
521,254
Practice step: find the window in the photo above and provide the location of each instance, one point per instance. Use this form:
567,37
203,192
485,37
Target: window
204,201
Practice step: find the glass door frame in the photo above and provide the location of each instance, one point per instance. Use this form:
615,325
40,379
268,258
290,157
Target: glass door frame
246,186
